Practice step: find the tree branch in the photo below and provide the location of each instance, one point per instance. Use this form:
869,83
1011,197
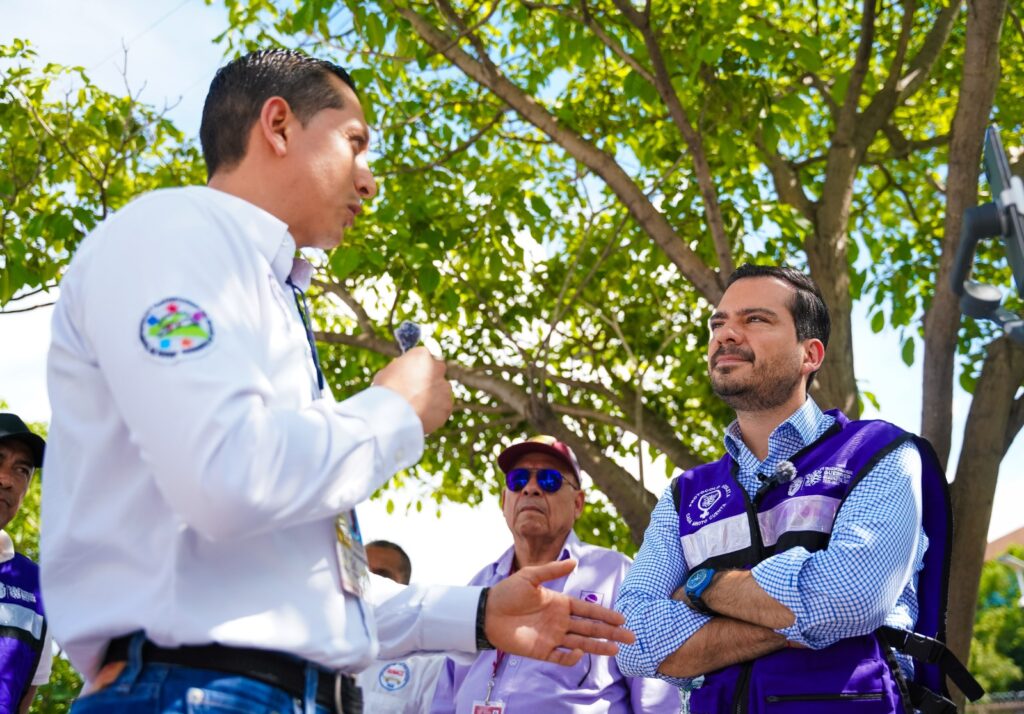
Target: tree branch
484,72
362,318
28,309
692,137
447,156
786,178
891,95
847,121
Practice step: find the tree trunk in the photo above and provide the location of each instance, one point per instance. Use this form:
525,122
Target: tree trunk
835,386
975,485
942,322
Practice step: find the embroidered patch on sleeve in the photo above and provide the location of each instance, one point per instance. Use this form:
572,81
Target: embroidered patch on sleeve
175,327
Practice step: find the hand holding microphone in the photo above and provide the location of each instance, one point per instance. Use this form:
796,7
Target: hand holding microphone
419,378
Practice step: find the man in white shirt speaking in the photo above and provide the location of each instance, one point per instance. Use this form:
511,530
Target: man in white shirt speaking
199,545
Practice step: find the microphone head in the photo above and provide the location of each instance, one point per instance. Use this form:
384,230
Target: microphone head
785,472
407,334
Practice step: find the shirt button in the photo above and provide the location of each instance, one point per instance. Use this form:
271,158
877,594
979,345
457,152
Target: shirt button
513,661
195,696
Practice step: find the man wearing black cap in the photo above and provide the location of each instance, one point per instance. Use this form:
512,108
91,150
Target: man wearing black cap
24,640
541,501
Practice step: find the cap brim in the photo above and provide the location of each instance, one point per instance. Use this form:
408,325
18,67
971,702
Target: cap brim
35,444
508,458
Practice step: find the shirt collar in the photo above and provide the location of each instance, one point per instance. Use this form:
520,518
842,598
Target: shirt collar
570,549
301,274
268,232
803,426
6,547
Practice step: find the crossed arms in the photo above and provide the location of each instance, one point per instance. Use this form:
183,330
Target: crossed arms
806,599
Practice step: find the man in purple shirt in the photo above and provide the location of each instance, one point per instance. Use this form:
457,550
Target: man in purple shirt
541,502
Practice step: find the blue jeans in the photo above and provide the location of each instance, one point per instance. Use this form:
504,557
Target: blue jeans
172,689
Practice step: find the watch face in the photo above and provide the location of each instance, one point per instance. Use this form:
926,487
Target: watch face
697,577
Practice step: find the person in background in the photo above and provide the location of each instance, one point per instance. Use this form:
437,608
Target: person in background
25,643
542,498
397,686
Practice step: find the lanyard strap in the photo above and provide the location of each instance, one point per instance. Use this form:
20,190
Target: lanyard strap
303,308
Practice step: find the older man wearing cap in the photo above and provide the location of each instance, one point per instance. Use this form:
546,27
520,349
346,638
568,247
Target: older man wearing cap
541,501
24,641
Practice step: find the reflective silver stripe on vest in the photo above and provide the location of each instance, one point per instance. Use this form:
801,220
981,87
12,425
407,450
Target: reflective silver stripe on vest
718,538
806,513
21,617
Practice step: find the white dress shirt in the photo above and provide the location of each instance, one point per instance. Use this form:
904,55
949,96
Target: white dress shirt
192,493
403,686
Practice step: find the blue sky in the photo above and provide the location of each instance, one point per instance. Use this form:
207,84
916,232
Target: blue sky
170,61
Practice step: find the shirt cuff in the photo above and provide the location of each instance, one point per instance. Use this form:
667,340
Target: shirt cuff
449,619
396,427
779,577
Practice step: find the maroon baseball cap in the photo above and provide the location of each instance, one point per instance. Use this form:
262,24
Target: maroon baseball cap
542,444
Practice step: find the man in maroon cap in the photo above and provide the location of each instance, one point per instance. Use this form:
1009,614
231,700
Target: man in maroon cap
542,498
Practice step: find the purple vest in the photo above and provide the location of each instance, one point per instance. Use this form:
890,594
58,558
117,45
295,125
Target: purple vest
722,528
22,629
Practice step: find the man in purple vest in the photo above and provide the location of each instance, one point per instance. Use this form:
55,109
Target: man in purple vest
24,641
806,570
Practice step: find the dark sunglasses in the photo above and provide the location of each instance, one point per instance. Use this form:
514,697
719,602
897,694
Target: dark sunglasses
549,480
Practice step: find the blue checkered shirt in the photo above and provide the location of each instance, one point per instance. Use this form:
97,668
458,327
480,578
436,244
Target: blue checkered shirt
866,577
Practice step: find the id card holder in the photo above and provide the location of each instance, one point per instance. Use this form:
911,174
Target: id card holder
353,569
495,707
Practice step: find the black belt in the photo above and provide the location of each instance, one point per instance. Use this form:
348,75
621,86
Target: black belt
337,692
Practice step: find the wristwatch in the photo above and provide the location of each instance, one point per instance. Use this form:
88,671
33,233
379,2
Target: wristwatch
697,582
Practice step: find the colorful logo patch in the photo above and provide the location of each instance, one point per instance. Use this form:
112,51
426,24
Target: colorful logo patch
591,596
175,327
394,676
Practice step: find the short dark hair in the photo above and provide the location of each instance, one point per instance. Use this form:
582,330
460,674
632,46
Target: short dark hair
406,563
240,88
810,314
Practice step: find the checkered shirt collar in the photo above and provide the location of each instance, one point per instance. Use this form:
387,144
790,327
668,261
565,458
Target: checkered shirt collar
803,427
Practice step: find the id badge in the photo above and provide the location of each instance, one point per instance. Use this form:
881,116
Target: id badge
495,707
352,564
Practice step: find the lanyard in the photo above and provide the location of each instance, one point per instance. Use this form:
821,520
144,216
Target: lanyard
499,656
303,308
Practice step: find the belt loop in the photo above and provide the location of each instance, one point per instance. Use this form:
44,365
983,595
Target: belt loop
133,664
309,698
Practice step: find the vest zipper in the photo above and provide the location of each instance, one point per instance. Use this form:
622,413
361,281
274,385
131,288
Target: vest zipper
870,696
742,685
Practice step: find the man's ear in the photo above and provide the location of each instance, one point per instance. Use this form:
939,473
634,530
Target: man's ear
814,355
275,123
580,501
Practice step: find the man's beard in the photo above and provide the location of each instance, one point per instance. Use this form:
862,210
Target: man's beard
769,385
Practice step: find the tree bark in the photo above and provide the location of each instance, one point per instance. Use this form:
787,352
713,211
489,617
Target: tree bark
942,321
988,423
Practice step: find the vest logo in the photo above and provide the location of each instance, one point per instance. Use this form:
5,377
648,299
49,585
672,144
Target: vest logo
16,593
828,475
394,675
708,504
